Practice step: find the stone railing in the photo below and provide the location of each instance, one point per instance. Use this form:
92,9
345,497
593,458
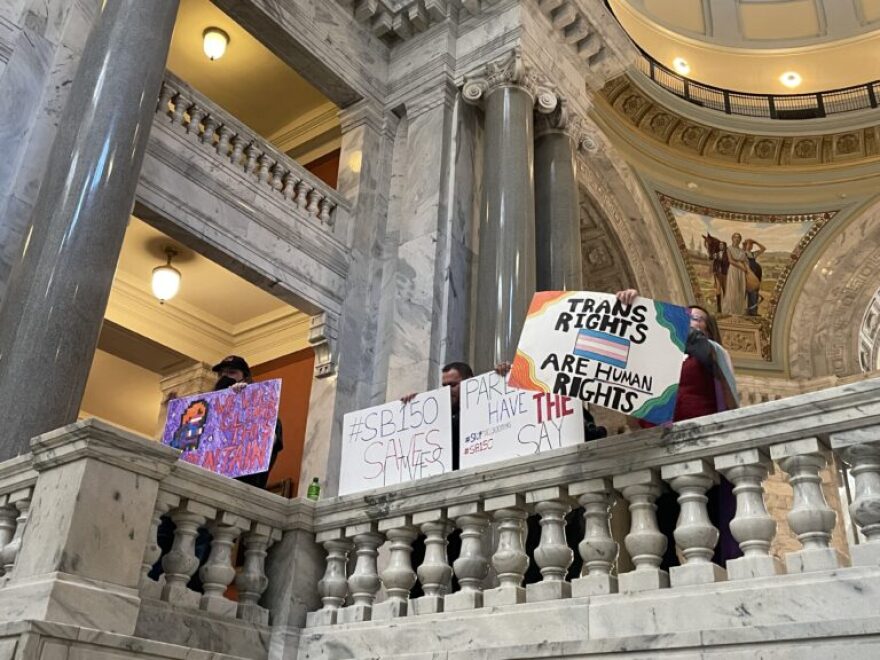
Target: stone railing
98,496
196,116
798,433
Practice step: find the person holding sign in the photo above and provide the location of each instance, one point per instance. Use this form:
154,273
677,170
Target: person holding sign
706,386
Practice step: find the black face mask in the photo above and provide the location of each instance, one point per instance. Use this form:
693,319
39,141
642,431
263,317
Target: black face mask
224,382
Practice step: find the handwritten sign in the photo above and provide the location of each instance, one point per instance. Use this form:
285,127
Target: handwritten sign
593,347
499,422
228,432
396,442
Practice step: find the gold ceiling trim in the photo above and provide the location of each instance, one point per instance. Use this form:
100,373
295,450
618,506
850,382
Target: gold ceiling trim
732,148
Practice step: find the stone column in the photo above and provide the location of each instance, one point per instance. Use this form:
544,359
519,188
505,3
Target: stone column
557,210
54,307
506,263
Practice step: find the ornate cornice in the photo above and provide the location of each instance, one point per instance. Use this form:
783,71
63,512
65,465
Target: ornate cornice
736,148
509,70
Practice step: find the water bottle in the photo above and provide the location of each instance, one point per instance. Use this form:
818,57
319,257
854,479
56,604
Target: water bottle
314,491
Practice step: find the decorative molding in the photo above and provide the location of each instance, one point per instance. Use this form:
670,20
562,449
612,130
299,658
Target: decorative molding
734,148
320,123
322,337
394,21
511,70
869,336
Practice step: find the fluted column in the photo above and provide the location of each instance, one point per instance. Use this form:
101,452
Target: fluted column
558,264
54,307
506,270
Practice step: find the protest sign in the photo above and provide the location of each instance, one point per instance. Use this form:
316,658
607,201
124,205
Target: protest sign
593,347
228,432
498,421
396,442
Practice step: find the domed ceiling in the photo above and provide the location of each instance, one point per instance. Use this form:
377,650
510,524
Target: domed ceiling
746,45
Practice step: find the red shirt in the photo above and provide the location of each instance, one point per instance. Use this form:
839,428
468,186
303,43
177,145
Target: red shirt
696,393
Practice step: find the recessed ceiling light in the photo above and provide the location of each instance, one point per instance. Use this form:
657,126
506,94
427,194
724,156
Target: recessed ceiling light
693,185
681,66
790,79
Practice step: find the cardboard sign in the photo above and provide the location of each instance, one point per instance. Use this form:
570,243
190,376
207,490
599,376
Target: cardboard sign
396,442
591,346
228,432
498,422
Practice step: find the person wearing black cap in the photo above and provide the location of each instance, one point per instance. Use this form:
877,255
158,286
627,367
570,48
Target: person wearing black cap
234,372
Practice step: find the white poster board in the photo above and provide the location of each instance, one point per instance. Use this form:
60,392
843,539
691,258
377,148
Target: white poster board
498,422
591,346
396,442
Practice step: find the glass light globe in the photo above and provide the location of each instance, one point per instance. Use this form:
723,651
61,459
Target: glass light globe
214,43
166,282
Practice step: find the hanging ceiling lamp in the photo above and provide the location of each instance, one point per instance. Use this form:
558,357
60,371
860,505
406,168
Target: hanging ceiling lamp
214,43
166,279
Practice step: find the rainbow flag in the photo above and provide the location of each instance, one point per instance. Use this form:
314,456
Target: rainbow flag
602,347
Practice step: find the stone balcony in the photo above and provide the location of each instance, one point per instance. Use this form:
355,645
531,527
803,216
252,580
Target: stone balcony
79,515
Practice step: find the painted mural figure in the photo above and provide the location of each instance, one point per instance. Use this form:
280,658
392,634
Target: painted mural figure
717,251
755,275
734,299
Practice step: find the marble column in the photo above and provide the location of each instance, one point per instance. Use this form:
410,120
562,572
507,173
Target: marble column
557,212
58,291
506,263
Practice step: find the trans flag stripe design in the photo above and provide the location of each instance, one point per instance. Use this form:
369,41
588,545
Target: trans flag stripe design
602,347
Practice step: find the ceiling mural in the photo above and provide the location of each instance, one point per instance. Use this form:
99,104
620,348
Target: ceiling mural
738,265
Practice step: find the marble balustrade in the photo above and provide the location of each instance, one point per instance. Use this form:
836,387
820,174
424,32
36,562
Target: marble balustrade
797,433
309,198
92,497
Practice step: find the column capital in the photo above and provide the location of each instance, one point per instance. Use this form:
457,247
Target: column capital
563,119
510,70
322,338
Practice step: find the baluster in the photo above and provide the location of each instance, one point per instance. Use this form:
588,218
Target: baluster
265,162
22,502
333,587
471,566
277,176
435,571
752,526
290,182
181,562
165,96
196,114
239,143
8,514
218,572
152,552
181,103
211,123
553,556
694,534
252,580
302,190
598,549
223,144
810,518
326,212
645,542
364,581
313,198
398,577
252,152
510,560
861,451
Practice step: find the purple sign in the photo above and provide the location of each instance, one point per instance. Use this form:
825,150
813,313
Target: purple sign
229,432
